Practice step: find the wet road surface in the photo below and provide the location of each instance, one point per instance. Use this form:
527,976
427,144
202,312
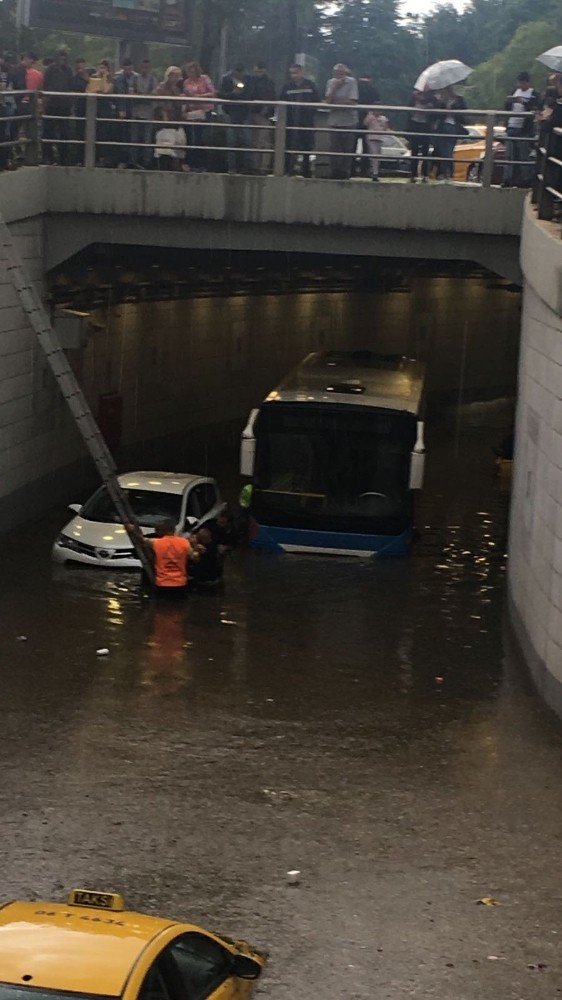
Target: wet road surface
366,723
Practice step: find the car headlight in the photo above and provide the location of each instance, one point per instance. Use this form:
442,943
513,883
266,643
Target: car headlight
67,543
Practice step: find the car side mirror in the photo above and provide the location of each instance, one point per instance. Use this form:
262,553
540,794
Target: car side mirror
75,507
245,968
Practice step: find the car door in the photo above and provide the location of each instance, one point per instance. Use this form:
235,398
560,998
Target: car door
203,503
193,967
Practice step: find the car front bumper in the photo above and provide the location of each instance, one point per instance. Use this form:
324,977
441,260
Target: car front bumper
104,558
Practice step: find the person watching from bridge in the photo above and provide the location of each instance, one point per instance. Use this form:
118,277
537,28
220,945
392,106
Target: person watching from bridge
342,89
196,113
261,88
80,83
376,124
234,84
170,555
143,113
33,75
169,143
58,109
101,82
126,83
368,94
421,123
450,127
519,131
300,120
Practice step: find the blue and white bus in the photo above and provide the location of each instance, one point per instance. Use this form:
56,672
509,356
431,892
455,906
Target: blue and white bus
335,454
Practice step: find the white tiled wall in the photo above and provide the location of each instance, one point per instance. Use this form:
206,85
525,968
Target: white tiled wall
535,549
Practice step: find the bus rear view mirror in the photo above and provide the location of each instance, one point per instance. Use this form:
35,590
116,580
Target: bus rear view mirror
248,447
417,461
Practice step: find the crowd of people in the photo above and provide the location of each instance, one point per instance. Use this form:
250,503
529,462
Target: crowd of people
230,126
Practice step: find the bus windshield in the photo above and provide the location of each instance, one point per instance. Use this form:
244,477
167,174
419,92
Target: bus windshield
333,461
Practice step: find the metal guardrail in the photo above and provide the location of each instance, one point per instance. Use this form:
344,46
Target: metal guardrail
547,189
249,137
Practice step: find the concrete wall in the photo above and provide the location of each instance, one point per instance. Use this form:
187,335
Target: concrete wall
37,438
535,547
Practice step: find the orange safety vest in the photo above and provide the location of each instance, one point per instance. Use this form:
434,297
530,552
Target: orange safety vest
170,560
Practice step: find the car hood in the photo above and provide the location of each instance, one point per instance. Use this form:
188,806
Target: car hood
100,535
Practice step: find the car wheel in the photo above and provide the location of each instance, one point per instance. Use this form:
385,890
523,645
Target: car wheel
473,173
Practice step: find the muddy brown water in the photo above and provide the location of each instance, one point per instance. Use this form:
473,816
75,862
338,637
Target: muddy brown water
365,722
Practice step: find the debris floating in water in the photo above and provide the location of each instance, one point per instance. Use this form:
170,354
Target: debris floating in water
102,652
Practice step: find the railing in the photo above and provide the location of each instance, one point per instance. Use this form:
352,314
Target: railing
547,190
258,137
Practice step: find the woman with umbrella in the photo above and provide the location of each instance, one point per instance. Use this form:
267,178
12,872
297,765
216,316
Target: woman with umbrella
450,128
440,77
421,123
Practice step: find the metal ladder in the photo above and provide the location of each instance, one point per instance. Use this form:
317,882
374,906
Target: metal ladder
69,387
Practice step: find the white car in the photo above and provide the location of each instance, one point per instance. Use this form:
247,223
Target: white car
95,536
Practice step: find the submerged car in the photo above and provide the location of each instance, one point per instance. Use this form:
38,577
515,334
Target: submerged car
96,537
92,947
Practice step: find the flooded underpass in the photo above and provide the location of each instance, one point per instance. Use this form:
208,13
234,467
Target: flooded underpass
365,722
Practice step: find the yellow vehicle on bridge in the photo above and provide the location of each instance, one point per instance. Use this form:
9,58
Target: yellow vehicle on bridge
93,947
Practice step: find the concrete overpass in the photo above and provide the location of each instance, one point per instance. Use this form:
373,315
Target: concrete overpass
78,206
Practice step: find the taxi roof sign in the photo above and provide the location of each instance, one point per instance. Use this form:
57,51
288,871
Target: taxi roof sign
97,900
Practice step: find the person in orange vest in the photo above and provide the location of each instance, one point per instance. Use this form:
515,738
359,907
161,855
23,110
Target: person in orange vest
170,555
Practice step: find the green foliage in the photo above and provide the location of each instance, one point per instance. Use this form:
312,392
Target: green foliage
498,37
494,79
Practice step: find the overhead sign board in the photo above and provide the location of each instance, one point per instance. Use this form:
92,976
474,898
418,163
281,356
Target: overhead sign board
146,20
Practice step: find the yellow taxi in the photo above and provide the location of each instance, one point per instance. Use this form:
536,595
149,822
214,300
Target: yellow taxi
468,150
93,947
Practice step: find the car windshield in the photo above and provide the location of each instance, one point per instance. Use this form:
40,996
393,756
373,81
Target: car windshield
149,506
9,992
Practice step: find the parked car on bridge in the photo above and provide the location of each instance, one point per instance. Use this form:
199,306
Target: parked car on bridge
470,150
396,153
92,947
96,537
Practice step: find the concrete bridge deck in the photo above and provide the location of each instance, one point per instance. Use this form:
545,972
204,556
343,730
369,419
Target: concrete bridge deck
81,206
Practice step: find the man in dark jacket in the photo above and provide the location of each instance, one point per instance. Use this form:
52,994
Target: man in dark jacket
234,84
79,85
261,88
300,120
58,78
125,82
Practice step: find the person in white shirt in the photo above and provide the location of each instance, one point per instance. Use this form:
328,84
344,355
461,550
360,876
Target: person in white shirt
520,129
169,143
342,89
376,124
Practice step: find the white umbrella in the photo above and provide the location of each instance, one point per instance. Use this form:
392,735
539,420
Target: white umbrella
552,58
442,74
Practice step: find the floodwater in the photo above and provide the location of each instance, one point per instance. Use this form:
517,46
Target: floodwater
364,722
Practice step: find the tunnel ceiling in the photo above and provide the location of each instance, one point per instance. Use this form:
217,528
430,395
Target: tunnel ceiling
131,273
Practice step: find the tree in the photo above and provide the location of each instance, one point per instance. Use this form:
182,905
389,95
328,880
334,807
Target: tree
494,79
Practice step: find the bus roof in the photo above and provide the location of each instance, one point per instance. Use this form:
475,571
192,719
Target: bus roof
358,378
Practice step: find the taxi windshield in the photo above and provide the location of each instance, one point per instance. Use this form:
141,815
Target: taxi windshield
9,992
